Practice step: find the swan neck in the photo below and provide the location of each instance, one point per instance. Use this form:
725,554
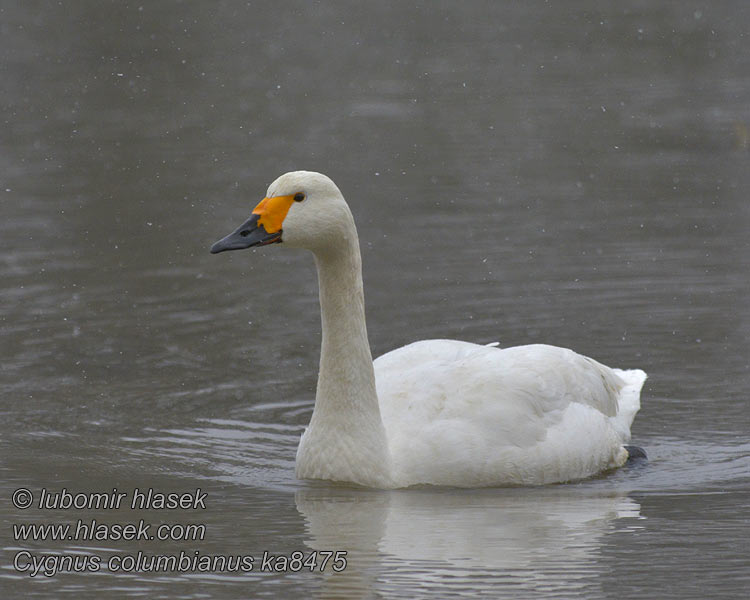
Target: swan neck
346,372
346,439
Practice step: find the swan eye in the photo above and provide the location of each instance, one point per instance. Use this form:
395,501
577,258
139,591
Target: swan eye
299,197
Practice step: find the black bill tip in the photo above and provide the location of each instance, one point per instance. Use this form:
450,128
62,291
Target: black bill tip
247,235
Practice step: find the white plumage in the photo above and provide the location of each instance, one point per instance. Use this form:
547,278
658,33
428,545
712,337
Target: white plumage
462,414
437,412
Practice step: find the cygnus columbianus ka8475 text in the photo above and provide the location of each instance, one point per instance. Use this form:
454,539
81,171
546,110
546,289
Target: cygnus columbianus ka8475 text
435,412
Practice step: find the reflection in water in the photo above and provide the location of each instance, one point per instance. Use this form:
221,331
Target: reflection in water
541,540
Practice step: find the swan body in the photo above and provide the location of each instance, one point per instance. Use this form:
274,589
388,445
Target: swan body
435,412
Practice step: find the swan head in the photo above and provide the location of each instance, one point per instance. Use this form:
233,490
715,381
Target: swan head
302,209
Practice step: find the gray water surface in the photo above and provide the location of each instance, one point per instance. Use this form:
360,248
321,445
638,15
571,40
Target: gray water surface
567,173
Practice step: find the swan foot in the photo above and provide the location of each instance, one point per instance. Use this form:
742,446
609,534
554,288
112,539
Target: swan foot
636,455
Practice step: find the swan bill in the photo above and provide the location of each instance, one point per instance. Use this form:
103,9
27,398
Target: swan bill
249,234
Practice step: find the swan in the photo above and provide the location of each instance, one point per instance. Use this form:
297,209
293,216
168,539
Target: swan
435,412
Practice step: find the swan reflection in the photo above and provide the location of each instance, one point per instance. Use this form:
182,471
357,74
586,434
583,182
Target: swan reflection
541,539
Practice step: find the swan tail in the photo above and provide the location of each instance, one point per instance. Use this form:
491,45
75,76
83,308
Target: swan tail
629,400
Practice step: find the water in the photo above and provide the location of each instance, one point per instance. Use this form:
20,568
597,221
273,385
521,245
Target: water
519,173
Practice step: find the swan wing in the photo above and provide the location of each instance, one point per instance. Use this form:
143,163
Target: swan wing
527,414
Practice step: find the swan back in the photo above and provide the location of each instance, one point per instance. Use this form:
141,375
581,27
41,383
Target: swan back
462,414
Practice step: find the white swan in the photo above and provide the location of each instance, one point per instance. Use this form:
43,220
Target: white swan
439,412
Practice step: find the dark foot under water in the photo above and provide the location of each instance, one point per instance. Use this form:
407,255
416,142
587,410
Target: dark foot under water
636,455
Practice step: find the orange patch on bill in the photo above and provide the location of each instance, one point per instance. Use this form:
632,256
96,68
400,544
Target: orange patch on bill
273,211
